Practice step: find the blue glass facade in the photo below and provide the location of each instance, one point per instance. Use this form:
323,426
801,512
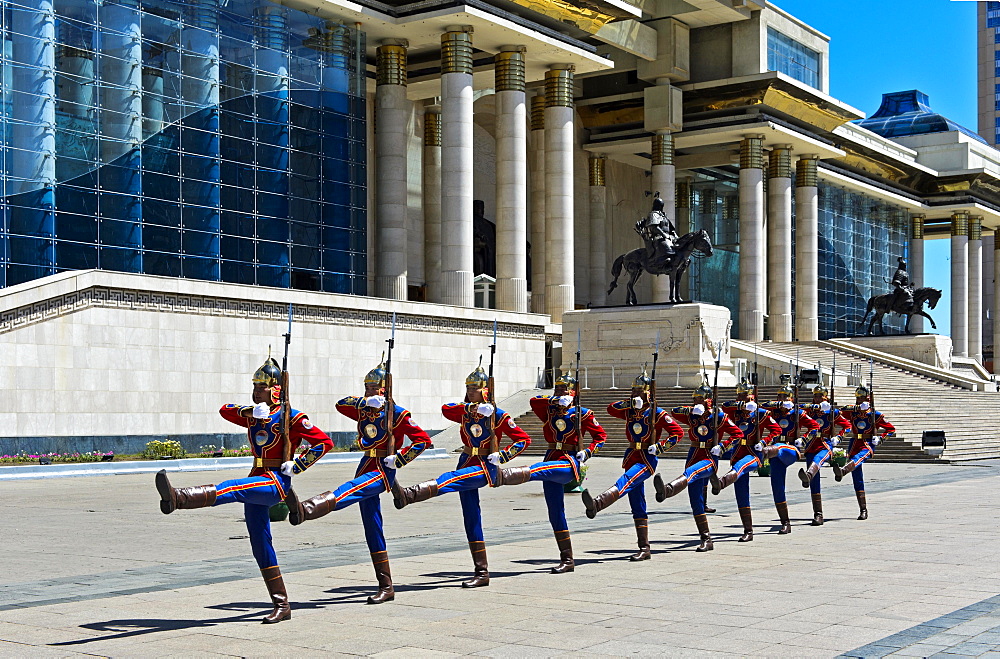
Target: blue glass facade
213,139
788,56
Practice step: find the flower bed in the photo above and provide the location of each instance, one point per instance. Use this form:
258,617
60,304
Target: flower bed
55,458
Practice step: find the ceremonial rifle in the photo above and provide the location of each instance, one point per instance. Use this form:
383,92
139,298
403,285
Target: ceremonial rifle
652,396
491,399
715,399
757,418
871,396
390,404
286,409
576,395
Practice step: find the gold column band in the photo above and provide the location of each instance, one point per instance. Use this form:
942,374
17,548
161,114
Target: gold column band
596,169
709,202
806,172
432,128
538,112
917,227
976,227
683,194
663,149
731,207
390,65
456,52
338,39
960,224
559,88
780,163
508,66
752,153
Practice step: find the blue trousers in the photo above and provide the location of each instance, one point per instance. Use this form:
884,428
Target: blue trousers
787,455
633,483
364,490
696,473
553,475
743,467
467,481
819,458
857,475
257,494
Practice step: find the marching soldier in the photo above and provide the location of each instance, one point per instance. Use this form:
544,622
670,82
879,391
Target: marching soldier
832,425
703,459
477,466
865,422
644,429
783,450
562,460
758,428
268,481
376,473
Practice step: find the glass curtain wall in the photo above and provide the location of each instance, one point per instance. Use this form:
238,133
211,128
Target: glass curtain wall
212,139
715,280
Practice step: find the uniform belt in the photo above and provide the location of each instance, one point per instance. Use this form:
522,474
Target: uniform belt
558,446
476,450
266,463
376,452
638,446
701,444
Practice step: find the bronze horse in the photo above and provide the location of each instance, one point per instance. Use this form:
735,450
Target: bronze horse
883,304
672,266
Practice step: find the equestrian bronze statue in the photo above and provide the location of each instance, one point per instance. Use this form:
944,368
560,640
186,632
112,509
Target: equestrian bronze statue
664,254
904,300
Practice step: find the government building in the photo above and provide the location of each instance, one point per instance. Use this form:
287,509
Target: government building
174,174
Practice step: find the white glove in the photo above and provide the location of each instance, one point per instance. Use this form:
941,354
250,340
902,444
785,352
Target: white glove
485,409
876,441
716,450
698,409
787,404
389,462
286,468
565,401
652,449
494,458
637,403
581,456
835,441
799,442
261,411
759,446
375,401
750,406
864,406
824,406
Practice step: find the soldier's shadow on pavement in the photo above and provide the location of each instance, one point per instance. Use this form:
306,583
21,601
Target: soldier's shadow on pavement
359,594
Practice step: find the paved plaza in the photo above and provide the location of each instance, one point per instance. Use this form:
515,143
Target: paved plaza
94,568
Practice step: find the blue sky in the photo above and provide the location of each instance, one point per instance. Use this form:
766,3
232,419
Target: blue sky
879,46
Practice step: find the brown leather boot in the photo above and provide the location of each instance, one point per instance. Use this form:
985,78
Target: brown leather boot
786,525
481,577
642,538
672,488
172,498
701,521
747,518
385,593
806,475
515,475
404,496
817,509
314,508
566,563
704,497
719,484
770,452
862,504
602,501
839,472
276,589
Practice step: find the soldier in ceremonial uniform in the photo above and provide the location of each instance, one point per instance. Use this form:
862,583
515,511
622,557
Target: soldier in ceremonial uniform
865,422
758,428
702,419
477,466
644,429
268,481
562,461
783,450
832,425
376,473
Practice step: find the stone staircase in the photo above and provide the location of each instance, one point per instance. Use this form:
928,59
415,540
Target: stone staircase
912,403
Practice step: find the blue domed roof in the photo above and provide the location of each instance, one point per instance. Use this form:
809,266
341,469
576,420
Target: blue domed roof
908,113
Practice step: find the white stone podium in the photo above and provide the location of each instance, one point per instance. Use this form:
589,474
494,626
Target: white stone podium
932,349
621,340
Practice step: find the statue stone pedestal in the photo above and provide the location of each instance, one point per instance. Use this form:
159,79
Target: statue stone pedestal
624,338
931,349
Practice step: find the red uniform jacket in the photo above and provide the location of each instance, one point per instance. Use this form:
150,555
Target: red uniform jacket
373,439
701,428
475,432
638,433
864,424
559,427
832,423
748,423
787,420
266,438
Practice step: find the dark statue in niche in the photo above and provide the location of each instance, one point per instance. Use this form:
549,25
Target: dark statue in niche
664,254
904,300
484,242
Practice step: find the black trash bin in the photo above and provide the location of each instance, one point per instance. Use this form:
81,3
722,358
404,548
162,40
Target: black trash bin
933,442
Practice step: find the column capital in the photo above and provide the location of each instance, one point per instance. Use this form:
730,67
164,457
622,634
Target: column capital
390,64
807,172
917,227
595,168
508,66
559,86
538,112
456,50
976,227
752,152
432,127
959,224
780,162
663,148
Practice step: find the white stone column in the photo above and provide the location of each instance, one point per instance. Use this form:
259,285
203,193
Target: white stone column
976,288
806,249
599,277
511,180
392,114
457,163
917,264
432,202
663,180
538,244
752,238
779,244
960,283
559,139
